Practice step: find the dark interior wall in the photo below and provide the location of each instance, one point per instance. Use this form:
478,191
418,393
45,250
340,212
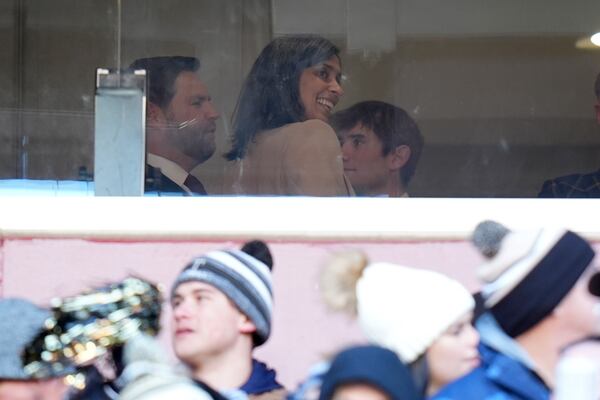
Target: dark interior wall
8,70
60,45
500,112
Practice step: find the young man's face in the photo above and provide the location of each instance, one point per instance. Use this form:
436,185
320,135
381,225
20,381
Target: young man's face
206,323
192,117
364,163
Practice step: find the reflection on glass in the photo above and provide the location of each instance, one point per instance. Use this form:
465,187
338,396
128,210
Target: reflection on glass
501,93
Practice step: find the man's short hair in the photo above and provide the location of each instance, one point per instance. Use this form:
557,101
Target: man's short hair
392,125
162,73
597,87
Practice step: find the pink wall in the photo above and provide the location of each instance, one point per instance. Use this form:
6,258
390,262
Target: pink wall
40,269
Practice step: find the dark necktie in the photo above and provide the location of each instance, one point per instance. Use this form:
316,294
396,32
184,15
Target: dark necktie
192,183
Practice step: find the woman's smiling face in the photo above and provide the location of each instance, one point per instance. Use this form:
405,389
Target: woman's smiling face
320,88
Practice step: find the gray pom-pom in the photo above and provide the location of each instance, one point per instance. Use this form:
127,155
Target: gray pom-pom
487,237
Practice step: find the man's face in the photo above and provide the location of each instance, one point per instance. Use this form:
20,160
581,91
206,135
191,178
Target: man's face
192,118
580,309
206,323
53,389
364,163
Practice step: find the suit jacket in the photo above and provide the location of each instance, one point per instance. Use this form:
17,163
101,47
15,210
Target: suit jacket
156,181
302,158
572,186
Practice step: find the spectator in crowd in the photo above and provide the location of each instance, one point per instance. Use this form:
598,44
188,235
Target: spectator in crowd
421,315
576,185
222,307
539,288
381,146
181,124
20,322
148,375
368,373
282,143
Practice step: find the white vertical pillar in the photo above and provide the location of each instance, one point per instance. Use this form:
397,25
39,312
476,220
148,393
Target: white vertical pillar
119,139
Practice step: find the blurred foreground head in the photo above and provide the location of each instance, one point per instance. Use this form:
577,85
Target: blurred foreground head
20,322
368,373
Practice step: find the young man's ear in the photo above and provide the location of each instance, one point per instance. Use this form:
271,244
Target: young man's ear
398,157
246,325
597,107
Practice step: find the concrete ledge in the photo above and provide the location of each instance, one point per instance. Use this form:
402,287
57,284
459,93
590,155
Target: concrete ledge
284,219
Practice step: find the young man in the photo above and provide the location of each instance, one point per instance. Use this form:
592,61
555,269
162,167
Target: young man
20,322
576,185
222,305
381,145
181,124
539,288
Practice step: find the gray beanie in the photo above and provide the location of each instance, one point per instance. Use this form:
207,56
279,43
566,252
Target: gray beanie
245,280
20,322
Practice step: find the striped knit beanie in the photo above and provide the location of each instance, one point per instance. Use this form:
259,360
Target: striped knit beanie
245,280
528,273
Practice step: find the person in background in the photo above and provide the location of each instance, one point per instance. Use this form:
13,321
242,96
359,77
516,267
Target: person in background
381,146
368,373
421,315
20,322
181,124
282,143
540,290
222,307
576,185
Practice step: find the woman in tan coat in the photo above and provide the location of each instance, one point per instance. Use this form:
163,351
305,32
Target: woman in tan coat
282,144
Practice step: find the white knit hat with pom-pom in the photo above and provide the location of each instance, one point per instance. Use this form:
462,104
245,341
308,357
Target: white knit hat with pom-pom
401,308
407,309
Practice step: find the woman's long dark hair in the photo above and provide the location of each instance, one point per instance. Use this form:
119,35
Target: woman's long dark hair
270,96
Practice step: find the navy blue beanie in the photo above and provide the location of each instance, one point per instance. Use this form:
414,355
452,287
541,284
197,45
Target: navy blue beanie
371,365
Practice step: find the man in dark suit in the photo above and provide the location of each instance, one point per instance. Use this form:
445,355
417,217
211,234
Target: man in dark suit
576,185
181,124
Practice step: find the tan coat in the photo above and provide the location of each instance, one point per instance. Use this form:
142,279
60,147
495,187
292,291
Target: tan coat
302,158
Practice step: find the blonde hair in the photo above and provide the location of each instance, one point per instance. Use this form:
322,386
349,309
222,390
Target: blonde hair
339,278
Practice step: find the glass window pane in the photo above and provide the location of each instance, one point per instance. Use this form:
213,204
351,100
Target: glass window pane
501,92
